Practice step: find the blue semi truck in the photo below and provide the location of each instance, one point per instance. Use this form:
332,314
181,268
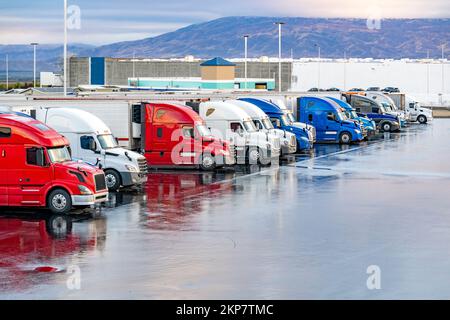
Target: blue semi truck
369,125
332,125
305,140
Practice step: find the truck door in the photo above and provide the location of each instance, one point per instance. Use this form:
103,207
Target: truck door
332,125
89,150
4,153
32,181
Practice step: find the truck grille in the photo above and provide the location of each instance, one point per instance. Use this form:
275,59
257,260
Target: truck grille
293,141
100,182
143,166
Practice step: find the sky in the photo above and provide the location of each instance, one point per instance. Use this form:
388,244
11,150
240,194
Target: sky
103,22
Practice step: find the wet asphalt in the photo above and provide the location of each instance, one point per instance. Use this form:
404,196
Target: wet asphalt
307,229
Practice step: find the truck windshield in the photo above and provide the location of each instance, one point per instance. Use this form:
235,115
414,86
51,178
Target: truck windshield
267,124
59,155
285,120
203,131
107,141
258,124
290,116
249,126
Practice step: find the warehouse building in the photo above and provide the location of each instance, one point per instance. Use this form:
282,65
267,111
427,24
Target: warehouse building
261,73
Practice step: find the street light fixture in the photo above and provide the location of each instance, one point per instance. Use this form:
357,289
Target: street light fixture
279,23
34,44
246,58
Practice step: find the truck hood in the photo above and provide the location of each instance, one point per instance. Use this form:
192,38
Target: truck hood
77,167
124,154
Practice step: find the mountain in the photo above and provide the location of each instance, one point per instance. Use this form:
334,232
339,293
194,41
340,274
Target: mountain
48,57
397,38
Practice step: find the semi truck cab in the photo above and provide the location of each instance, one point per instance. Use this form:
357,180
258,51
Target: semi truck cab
416,112
374,111
331,123
262,123
368,125
290,115
281,121
91,140
37,169
175,136
237,126
389,106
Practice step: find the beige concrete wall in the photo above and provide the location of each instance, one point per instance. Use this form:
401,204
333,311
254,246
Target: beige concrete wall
441,113
218,72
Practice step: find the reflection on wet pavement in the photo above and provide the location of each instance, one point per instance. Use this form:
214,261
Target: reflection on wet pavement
305,229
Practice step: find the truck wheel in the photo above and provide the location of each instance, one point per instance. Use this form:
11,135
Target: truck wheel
112,180
345,138
386,126
422,119
59,201
253,155
59,226
207,162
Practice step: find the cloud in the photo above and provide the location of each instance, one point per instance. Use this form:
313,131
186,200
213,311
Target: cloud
105,21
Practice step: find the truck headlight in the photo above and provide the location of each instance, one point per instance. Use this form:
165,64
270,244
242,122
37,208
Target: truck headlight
131,168
84,190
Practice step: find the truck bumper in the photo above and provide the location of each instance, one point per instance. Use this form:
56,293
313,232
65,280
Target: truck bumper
133,178
89,200
288,149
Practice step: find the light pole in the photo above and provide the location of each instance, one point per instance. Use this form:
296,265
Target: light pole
345,70
428,71
34,44
279,54
7,73
442,57
65,47
245,58
318,67
134,64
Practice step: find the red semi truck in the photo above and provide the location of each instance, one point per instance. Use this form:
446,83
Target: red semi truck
175,135
36,169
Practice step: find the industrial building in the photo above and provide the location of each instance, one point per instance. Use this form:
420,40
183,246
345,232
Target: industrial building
114,71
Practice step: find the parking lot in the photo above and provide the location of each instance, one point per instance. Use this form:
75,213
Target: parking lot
308,228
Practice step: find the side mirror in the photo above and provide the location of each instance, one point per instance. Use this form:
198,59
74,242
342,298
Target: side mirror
92,145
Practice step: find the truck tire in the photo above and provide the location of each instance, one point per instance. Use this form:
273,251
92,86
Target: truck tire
207,162
345,138
59,201
386,127
59,226
254,155
422,119
113,181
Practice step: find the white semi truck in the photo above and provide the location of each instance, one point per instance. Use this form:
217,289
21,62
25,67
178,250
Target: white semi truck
236,126
263,123
92,141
